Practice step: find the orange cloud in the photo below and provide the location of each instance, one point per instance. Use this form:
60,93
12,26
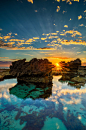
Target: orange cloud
7,37
81,25
58,9
35,38
30,1
79,17
43,38
17,40
66,42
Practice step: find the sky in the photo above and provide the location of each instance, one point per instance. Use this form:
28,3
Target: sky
52,29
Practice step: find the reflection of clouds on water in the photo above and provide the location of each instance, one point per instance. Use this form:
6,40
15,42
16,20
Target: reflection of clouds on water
6,84
71,99
64,102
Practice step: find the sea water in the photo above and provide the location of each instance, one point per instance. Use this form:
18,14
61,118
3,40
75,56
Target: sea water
64,109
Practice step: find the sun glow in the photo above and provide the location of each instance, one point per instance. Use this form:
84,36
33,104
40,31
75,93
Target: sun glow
57,65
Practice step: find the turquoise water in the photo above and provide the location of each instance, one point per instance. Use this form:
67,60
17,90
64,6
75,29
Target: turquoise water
63,109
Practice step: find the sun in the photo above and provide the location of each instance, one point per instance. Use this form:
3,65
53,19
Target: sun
57,65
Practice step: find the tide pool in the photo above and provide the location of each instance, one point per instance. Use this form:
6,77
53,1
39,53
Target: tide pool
63,109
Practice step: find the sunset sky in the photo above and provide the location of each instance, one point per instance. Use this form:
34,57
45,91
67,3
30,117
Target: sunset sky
53,29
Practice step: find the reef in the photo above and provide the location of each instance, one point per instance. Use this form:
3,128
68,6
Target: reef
34,71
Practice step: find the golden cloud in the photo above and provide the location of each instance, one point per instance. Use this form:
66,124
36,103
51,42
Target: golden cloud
66,26
53,33
79,17
85,11
1,37
43,38
81,25
66,42
15,33
58,0
16,40
35,38
0,29
30,1
58,9
11,43
7,37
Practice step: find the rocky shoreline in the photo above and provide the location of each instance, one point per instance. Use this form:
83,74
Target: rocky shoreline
4,74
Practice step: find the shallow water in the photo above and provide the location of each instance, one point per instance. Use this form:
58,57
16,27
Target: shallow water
65,109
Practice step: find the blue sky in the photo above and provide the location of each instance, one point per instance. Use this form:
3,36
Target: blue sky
53,29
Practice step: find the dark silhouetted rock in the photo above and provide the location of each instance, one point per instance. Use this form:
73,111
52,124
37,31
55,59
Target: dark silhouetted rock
36,70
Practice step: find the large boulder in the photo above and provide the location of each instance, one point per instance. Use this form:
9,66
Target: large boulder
33,71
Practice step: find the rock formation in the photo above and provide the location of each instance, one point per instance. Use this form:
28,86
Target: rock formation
70,69
4,74
74,73
36,70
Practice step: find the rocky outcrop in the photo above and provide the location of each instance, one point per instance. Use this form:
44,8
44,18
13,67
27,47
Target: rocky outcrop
70,69
36,70
4,74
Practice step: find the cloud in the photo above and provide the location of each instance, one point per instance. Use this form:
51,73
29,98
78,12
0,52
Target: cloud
43,38
81,25
12,47
45,48
0,29
58,58
66,26
79,17
73,101
58,0
30,1
16,40
64,11
27,54
58,9
36,11
80,42
68,91
78,52
85,11
3,57
5,63
35,38
7,37
16,34
84,51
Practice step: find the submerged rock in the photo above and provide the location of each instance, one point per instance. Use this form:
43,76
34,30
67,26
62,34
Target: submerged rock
36,70
33,91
